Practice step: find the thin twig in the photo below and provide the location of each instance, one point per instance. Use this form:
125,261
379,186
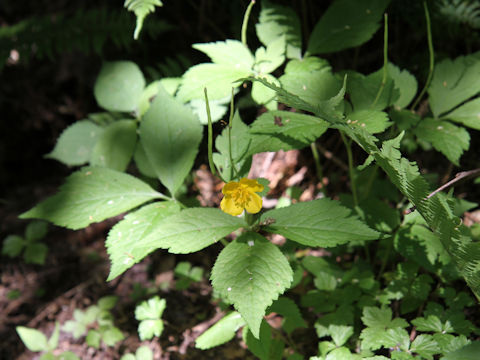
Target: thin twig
459,176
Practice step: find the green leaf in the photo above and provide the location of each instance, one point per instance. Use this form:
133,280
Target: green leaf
346,24
340,333
445,137
119,86
230,52
311,79
111,336
141,9
250,273
13,245
280,22
218,109
35,253
431,323
223,331
33,339
192,230
93,338
405,83
217,78
288,127
126,240
76,142
292,318
107,302
263,95
373,121
468,352
128,356
147,329
270,58
150,309
144,353
115,146
425,346
363,91
36,230
90,195
321,222
453,82
170,135
467,114
142,162
68,355
76,328
381,318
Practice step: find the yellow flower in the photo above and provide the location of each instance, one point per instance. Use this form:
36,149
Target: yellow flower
241,195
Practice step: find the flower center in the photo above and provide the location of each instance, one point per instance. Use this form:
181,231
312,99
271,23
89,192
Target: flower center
240,196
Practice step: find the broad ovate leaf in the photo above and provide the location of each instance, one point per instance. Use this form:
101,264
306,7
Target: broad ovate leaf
76,142
170,134
90,195
467,114
322,222
346,24
119,86
250,273
115,146
126,243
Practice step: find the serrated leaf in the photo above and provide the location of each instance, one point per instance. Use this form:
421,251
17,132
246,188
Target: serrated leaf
280,22
467,114
170,135
229,52
150,309
453,82
13,245
445,137
115,146
223,331
263,95
425,346
90,195
269,58
250,273
219,80
374,317
430,323
218,109
126,240
373,121
289,127
311,79
292,318
192,230
36,230
119,86
346,24
321,222
147,329
35,253
76,142
448,343
405,83
340,333
33,339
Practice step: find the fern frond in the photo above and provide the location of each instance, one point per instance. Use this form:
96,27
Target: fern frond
141,8
461,11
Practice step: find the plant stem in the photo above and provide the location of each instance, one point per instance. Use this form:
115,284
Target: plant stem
431,55
245,22
351,170
385,60
210,135
318,166
229,132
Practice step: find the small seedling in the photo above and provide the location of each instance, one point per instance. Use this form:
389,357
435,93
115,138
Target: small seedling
187,275
149,313
35,251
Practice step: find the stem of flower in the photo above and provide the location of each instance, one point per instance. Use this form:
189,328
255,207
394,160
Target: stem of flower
245,22
351,170
210,135
385,60
318,166
229,132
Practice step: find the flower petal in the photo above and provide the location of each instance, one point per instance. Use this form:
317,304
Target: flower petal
254,204
252,184
230,187
228,205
